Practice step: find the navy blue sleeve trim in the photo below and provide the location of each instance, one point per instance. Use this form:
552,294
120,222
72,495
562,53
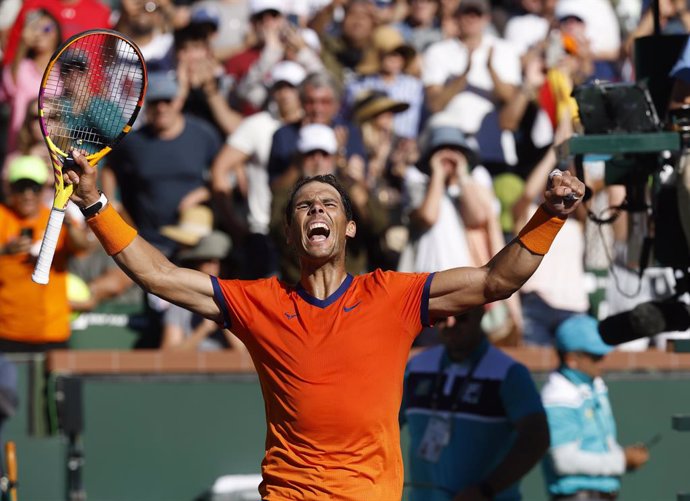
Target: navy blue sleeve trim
220,301
425,301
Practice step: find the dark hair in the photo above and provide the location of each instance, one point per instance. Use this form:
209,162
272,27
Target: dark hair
329,179
190,33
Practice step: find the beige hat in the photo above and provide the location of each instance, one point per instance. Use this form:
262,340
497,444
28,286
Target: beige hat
195,223
215,245
370,104
385,40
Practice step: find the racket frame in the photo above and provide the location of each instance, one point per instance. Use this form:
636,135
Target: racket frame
59,158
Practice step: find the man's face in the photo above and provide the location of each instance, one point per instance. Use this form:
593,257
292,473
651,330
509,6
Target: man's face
320,106
75,81
25,198
472,23
423,11
194,51
358,24
162,113
392,63
267,21
318,163
319,226
588,363
143,15
286,97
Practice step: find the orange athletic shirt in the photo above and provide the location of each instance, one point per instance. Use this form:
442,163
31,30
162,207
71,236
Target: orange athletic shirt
331,374
29,312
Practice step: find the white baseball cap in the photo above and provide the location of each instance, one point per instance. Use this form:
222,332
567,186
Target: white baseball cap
259,6
571,8
287,71
314,137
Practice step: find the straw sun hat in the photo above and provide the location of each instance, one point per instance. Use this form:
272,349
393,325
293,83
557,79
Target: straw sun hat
385,40
372,103
194,224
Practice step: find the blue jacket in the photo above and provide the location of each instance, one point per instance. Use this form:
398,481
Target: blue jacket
584,453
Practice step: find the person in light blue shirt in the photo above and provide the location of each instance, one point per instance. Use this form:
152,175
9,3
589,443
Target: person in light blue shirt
474,416
585,461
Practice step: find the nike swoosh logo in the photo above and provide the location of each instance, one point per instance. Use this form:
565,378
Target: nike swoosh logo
289,316
350,308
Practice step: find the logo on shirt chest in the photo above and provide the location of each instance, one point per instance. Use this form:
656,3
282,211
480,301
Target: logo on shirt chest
472,393
348,309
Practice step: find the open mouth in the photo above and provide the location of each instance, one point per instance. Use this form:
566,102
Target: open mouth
318,232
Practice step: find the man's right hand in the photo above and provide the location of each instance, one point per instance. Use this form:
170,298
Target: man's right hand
635,456
84,181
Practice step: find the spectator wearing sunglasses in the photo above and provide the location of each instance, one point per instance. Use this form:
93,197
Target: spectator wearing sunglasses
33,317
585,460
21,77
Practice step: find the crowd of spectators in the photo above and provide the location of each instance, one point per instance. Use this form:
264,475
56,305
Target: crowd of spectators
441,118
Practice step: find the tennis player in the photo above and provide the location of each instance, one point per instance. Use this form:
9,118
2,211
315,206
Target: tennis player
330,351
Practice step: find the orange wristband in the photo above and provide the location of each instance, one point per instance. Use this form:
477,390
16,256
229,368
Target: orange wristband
540,231
111,230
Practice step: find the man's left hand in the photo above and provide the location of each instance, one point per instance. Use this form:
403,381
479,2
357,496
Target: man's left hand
563,193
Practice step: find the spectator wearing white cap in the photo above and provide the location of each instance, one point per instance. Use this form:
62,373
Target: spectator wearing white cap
531,26
241,166
276,40
320,98
594,25
319,155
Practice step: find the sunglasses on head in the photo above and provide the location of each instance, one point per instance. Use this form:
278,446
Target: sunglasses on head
23,185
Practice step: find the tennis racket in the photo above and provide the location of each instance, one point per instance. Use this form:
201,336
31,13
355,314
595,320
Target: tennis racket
90,95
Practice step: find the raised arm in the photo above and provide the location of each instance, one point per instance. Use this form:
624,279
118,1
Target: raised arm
456,290
140,260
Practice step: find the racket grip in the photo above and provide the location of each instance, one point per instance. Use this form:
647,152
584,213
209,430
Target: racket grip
41,272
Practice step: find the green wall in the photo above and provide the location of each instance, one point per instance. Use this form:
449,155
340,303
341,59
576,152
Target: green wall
167,439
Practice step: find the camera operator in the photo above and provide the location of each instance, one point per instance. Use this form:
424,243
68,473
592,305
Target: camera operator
679,108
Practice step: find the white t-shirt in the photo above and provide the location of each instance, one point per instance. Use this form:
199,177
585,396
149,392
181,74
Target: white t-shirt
468,109
444,245
253,137
525,31
601,24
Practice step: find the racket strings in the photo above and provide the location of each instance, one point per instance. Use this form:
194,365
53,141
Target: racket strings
92,92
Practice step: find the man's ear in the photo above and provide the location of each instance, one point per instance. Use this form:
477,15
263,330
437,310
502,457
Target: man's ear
351,229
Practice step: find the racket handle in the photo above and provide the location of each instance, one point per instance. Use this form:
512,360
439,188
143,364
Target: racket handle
41,272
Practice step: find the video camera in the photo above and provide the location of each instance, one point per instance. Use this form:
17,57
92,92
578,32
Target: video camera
644,144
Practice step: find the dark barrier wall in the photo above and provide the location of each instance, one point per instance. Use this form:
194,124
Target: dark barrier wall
166,438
